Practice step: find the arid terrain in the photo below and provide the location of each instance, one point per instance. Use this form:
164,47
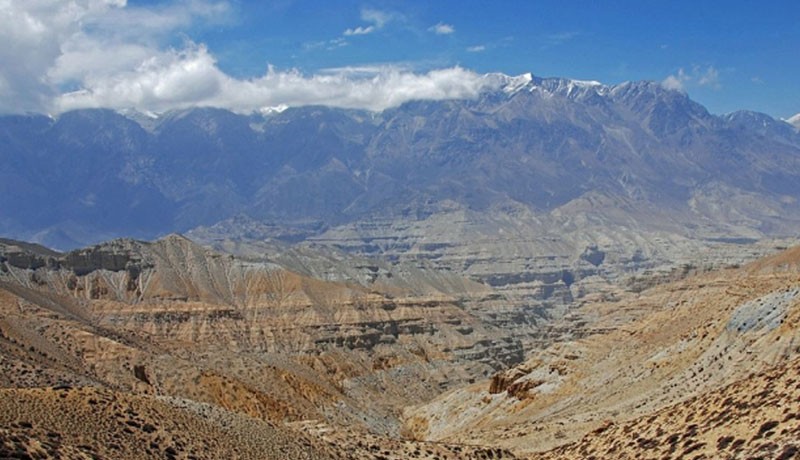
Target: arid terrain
149,333
170,350
648,350
396,230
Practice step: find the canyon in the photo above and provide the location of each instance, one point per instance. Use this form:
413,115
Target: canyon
326,369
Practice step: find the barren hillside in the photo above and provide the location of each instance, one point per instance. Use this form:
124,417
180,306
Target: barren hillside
642,353
180,339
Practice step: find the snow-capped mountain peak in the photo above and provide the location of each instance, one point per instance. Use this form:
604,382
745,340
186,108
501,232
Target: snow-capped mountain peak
511,85
273,109
515,84
794,121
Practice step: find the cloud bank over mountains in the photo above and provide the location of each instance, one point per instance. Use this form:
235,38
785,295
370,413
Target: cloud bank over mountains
63,56
105,53
190,77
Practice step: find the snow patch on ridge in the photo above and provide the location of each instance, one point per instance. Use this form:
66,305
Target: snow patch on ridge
274,109
794,121
517,83
527,82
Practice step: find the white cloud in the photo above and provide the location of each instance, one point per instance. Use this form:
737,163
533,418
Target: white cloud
191,78
709,78
672,82
94,53
337,43
172,79
329,45
376,17
676,82
476,48
360,30
53,44
32,32
367,71
697,77
373,89
442,29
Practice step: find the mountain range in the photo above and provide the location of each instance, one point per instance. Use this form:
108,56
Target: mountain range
553,269
546,146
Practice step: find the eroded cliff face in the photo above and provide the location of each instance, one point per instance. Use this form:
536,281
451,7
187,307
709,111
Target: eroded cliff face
172,317
641,353
351,371
520,273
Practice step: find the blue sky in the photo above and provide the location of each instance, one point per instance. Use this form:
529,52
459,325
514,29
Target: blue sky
157,55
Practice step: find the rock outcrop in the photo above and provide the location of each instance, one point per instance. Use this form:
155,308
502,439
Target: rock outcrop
292,347
670,346
758,417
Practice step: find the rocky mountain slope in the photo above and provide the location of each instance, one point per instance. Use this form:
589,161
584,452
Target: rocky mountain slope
530,145
189,353
375,270
90,422
538,142
646,357
173,318
179,344
542,188
753,418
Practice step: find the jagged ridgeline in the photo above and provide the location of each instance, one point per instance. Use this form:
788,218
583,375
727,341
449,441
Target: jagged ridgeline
551,264
543,190
634,152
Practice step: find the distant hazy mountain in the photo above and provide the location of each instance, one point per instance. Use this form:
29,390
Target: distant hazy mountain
534,144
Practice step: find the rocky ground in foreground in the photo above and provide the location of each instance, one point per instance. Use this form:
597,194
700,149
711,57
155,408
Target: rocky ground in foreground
758,417
97,423
90,422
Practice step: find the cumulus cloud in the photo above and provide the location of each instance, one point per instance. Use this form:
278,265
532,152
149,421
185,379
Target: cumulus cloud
697,76
476,48
104,53
172,79
53,44
442,29
377,90
32,33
